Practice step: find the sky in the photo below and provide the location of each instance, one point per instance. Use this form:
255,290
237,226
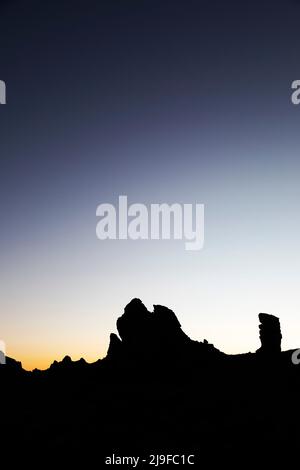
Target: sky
169,101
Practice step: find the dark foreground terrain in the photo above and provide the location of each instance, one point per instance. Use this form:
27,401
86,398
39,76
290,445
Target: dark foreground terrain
156,392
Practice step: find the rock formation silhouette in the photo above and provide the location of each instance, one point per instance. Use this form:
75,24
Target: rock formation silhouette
156,391
154,337
269,333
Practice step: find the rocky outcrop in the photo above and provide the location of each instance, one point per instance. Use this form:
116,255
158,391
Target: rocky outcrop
269,334
67,364
140,328
135,324
153,336
115,347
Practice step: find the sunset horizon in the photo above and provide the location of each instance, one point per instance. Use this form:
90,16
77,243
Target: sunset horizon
149,235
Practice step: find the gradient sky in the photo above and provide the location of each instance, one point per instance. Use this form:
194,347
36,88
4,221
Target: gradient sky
165,101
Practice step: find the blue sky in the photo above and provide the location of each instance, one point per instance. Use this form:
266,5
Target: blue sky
177,101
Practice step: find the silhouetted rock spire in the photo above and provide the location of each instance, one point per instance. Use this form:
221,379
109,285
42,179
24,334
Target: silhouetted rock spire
115,346
269,333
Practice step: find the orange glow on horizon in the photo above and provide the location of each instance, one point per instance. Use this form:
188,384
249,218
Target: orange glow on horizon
33,360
